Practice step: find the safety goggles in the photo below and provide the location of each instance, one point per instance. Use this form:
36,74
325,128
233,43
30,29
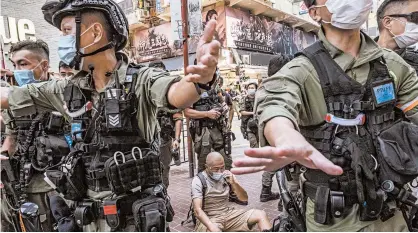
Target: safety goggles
411,17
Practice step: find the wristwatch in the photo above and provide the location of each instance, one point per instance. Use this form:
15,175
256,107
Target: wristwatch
178,140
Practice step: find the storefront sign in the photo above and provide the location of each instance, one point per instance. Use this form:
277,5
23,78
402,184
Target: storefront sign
23,29
258,33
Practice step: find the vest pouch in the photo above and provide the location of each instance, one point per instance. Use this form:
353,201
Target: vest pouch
118,111
150,214
397,153
70,179
128,172
50,150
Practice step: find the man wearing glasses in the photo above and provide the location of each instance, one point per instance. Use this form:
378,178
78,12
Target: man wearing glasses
210,195
398,27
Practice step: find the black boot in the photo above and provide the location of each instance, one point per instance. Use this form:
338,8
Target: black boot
267,195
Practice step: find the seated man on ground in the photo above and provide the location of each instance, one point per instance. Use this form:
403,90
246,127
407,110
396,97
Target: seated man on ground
212,208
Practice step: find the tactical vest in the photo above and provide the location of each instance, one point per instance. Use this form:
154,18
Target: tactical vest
39,145
167,125
249,107
351,136
110,140
208,101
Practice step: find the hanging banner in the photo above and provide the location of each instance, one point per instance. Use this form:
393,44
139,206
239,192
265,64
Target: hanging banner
155,43
258,33
195,17
176,22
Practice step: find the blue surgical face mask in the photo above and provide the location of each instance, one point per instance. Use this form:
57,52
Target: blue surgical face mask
67,49
24,77
217,176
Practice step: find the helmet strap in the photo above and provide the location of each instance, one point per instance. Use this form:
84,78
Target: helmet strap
77,58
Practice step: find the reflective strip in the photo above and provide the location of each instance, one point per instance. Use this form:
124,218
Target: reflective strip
408,106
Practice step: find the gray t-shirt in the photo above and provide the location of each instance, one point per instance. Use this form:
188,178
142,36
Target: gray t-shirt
216,197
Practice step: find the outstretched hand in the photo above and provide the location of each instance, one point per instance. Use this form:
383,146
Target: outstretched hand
273,158
207,55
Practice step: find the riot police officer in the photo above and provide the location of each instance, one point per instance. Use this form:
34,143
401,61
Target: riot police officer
249,127
113,173
170,124
209,128
398,28
332,109
29,136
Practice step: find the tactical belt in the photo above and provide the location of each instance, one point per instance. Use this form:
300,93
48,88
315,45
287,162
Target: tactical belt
88,211
310,189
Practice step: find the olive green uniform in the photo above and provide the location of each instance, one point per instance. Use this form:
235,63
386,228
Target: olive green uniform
295,93
151,90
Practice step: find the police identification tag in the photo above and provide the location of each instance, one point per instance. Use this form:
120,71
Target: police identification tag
76,127
384,92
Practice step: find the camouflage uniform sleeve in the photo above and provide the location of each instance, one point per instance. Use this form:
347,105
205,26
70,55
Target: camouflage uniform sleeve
37,97
281,95
7,119
242,105
406,81
153,85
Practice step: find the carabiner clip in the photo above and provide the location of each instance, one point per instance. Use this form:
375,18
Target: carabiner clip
116,158
133,152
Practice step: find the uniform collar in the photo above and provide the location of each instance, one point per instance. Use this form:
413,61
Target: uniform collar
369,51
81,76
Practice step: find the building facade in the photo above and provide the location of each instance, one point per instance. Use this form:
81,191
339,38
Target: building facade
23,19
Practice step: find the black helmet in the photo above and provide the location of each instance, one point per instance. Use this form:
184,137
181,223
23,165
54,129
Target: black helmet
55,10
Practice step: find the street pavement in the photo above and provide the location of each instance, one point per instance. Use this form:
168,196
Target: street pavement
179,189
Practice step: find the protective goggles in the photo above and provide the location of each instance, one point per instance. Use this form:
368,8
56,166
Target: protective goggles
411,17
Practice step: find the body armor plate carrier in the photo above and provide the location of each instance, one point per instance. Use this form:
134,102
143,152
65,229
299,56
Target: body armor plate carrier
358,135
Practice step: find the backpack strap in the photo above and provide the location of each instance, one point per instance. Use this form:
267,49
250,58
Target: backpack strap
204,187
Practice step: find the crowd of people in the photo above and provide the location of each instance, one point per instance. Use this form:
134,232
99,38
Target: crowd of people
90,147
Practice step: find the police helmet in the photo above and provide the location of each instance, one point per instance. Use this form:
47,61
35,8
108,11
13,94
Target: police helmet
55,10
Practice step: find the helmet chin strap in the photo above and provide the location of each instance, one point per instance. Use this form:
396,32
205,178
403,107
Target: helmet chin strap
79,55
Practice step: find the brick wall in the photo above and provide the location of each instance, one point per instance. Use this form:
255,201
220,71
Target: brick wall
31,10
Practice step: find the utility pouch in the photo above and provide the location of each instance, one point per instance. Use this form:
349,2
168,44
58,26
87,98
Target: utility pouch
62,215
128,172
49,150
322,215
118,110
337,203
55,124
397,153
29,213
371,209
84,215
150,214
69,180
110,210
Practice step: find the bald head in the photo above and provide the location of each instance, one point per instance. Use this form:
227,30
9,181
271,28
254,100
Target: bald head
214,159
